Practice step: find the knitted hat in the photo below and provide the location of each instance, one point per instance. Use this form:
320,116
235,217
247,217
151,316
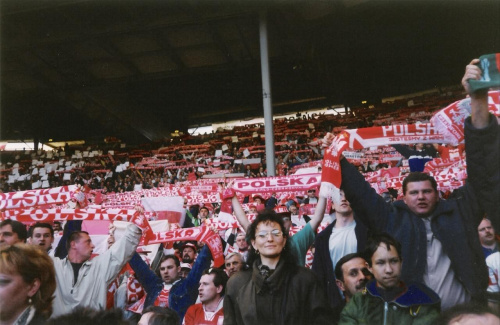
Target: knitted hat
490,66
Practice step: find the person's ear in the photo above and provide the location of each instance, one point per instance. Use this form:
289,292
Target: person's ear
340,285
219,288
34,287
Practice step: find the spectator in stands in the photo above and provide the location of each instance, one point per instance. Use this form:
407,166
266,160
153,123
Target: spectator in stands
57,226
493,291
166,288
344,236
155,315
420,150
365,167
12,232
242,245
203,214
211,292
352,274
272,201
234,262
311,197
185,269
281,285
487,237
449,259
27,285
41,234
84,283
188,251
387,299
302,240
448,151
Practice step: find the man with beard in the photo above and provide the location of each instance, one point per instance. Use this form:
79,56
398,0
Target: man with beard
211,291
343,236
188,253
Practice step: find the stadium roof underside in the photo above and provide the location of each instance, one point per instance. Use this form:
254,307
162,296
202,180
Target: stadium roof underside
137,70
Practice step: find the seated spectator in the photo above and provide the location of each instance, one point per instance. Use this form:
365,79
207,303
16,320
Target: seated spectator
27,285
211,292
155,315
12,232
387,299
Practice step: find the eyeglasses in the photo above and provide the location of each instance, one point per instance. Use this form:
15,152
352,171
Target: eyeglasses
275,233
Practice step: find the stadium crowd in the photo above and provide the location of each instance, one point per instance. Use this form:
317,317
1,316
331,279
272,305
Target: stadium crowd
408,237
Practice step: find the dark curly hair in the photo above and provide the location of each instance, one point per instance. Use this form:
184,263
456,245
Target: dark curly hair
268,215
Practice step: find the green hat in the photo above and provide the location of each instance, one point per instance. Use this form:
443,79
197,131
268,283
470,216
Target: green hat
490,66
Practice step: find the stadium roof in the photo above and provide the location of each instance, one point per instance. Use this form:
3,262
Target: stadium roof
138,70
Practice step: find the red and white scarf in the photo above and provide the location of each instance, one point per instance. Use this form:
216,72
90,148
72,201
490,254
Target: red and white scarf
450,125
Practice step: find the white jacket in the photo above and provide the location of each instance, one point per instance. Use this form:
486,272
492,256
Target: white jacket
94,277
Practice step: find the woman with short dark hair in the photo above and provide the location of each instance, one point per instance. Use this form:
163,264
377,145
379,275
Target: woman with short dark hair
275,290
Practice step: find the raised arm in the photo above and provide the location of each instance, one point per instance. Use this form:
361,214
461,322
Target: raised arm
319,213
479,99
482,143
239,213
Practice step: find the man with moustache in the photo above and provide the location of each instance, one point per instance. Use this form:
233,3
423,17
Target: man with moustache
188,253
344,236
387,299
487,237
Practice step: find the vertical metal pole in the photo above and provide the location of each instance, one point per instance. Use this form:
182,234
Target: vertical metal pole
266,95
